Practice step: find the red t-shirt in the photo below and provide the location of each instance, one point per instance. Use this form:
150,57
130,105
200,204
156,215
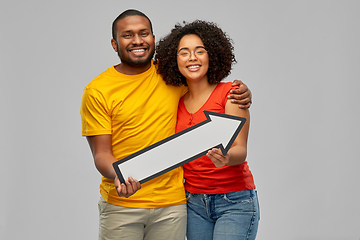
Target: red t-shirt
201,175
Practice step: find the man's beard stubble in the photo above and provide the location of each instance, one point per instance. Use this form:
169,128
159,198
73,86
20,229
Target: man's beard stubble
134,63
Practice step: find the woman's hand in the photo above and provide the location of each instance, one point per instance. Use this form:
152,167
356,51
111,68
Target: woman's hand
218,158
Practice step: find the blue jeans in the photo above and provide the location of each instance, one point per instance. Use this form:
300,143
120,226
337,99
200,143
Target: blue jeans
227,216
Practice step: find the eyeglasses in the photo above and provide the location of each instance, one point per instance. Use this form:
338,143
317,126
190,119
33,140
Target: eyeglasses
184,54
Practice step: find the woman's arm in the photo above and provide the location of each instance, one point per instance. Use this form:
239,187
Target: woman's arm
238,151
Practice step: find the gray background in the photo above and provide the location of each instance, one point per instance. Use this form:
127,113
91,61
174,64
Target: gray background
300,59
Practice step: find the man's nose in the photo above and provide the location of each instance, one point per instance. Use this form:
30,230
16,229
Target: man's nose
137,40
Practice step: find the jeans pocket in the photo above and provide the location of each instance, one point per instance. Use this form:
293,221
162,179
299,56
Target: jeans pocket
238,197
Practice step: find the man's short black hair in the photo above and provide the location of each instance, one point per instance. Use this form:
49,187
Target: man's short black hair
127,13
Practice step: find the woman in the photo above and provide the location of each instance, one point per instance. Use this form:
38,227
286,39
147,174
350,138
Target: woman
222,200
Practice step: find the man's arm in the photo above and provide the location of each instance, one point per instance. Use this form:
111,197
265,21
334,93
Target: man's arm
242,95
101,149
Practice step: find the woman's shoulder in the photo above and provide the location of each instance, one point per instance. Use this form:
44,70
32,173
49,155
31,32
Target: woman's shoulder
225,87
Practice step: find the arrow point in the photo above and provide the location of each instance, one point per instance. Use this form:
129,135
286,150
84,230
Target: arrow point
226,128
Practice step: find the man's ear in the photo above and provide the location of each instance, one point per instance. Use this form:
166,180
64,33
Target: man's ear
113,44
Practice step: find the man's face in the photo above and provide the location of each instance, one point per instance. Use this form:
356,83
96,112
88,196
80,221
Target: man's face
135,43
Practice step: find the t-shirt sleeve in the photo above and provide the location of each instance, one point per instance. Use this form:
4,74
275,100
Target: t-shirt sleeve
226,91
95,117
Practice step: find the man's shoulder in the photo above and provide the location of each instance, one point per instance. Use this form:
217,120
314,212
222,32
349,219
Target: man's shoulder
102,78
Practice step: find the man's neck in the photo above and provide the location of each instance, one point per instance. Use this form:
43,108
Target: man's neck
131,70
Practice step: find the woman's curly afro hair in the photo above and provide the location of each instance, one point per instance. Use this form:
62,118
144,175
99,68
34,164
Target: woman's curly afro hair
217,43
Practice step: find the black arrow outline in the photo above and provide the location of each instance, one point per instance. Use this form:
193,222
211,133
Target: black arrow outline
157,144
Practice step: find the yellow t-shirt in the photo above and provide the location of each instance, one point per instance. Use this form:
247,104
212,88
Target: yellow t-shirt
137,110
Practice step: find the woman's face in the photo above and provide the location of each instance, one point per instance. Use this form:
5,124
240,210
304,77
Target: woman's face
192,59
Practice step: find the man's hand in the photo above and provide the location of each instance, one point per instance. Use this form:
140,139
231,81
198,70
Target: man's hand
242,95
129,188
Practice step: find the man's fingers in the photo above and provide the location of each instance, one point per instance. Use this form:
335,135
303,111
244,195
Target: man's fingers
128,188
120,187
244,103
125,189
136,184
245,106
132,185
237,83
239,94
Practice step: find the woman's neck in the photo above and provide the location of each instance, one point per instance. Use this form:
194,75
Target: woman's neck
198,94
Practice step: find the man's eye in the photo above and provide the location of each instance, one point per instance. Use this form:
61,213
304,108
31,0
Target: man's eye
127,35
145,34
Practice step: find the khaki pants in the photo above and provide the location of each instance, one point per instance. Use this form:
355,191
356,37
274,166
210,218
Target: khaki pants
122,223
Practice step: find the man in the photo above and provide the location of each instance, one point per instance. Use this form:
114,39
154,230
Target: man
125,109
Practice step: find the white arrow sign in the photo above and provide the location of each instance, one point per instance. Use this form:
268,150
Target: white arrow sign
181,147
